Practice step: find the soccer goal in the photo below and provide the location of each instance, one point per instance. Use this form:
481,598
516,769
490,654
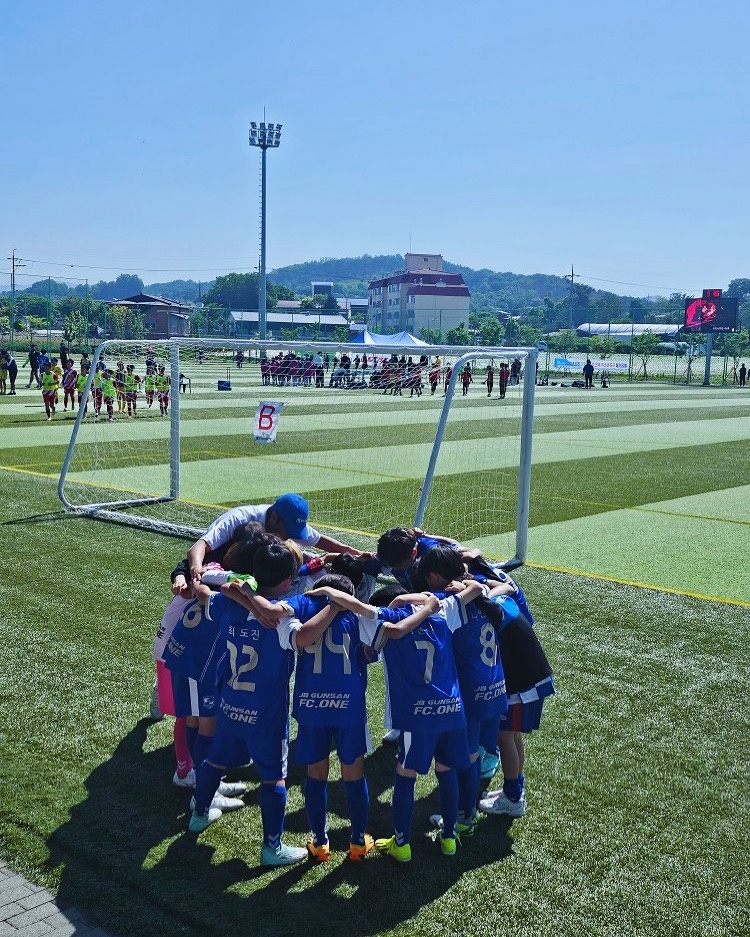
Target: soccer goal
374,436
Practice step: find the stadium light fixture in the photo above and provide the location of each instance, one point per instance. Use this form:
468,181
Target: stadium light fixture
264,137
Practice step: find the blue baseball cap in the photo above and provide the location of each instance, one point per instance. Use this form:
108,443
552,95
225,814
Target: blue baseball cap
294,511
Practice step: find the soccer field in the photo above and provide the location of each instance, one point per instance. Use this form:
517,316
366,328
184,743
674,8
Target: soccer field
638,788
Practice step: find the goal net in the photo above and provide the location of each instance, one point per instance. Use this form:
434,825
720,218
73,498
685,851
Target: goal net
373,436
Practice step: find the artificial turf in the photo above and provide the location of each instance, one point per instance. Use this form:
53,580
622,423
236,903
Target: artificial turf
637,784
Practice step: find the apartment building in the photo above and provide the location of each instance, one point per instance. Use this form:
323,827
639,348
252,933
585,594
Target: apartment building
420,297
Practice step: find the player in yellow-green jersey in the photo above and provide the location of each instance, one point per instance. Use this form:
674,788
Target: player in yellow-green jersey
163,382
50,383
132,386
149,386
81,384
96,386
109,393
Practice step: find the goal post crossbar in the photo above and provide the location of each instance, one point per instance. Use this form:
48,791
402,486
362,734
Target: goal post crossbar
227,348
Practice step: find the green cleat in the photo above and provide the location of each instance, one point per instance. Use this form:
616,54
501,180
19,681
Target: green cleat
447,845
390,848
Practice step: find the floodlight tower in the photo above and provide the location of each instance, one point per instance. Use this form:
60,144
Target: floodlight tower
264,136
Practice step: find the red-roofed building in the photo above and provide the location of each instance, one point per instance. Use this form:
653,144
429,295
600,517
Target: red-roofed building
420,297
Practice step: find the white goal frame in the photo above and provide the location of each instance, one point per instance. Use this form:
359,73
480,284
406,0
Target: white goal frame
112,510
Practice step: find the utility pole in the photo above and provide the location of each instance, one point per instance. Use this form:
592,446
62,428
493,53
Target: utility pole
12,318
572,275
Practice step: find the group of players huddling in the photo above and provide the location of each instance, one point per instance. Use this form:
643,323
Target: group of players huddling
465,674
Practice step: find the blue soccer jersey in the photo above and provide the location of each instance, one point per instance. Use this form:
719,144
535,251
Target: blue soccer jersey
518,594
330,681
194,645
259,661
480,669
422,681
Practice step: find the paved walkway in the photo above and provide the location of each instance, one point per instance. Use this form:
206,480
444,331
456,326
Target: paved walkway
29,911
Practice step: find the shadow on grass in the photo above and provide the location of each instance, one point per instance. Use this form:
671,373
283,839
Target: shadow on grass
127,860
36,519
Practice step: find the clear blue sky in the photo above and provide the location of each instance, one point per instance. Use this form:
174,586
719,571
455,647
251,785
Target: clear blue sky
520,136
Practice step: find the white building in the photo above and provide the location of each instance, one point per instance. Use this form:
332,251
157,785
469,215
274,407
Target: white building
420,297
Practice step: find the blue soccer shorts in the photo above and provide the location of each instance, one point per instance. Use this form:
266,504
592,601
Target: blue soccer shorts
194,697
314,743
522,717
231,748
416,750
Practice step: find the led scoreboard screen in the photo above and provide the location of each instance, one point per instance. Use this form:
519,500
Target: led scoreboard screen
712,313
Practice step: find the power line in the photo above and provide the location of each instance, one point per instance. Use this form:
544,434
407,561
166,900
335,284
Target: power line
54,263
647,286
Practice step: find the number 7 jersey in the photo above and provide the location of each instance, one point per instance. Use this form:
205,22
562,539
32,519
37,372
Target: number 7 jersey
421,671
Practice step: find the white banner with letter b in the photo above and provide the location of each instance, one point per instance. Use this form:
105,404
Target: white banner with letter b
267,420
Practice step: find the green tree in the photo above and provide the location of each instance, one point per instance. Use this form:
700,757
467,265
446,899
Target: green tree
289,335
433,336
644,347
605,305
740,289
117,319
603,345
318,301
45,288
491,330
135,327
529,334
735,346
74,327
639,310
565,342
240,291
458,336
340,334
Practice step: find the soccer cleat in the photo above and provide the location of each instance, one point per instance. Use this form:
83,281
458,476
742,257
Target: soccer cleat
467,829
187,781
392,849
462,829
503,805
392,735
490,762
199,821
281,855
321,853
447,845
357,853
232,788
154,710
224,804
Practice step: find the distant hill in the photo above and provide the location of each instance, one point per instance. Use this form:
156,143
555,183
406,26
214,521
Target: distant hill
513,292
350,275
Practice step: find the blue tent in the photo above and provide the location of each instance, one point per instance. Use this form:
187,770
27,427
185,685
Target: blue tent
400,338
